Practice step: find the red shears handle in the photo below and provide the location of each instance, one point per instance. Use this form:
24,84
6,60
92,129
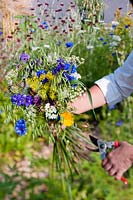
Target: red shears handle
116,144
124,180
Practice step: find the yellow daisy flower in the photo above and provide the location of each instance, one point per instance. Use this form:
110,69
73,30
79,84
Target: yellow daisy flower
33,83
52,93
68,119
42,77
49,76
42,93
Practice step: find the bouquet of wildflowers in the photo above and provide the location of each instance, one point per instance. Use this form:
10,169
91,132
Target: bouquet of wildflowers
44,79
40,90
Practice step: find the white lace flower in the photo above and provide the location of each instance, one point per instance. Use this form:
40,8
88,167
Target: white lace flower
47,106
50,111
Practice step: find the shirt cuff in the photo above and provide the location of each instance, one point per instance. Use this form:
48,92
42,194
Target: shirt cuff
110,91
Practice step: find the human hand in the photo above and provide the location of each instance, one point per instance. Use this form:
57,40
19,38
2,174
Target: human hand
119,160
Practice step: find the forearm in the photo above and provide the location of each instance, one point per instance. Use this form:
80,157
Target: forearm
83,103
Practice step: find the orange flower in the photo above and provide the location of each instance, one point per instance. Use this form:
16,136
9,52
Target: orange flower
68,119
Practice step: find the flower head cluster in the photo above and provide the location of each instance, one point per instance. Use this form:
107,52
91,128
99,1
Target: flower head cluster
67,118
44,92
51,112
22,100
24,57
20,127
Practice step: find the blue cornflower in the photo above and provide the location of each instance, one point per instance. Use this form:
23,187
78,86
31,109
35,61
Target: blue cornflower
119,123
126,26
24,57
111,34
104,43
69,77
74,69
20,127
41,71
69,44
67,66
45,25
113,26
101,39
1,33
113,54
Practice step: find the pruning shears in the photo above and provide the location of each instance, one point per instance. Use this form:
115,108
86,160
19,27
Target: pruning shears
104,147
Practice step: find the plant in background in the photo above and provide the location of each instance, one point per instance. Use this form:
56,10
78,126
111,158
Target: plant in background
92,11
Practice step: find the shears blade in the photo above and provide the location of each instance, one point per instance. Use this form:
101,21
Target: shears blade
94,140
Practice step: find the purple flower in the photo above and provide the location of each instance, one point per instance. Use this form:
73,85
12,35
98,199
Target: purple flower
18,99
24,57
58,68
22,100
1,33
37,100
20,127
60,60
28,100
119,123
14,98
69,44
